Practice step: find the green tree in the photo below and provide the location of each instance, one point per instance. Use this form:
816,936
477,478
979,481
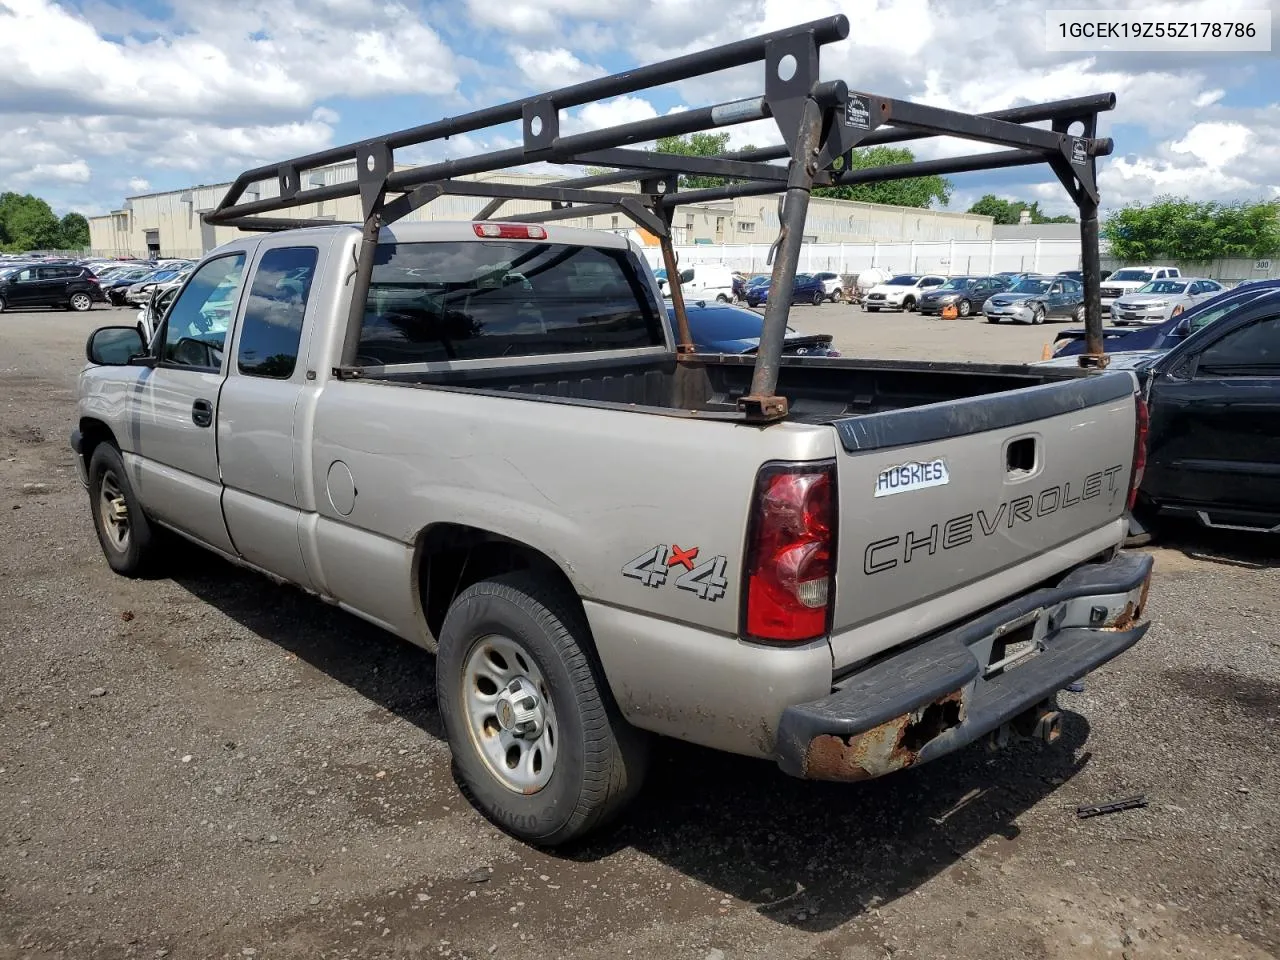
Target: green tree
73,232
697,145
1176,228
911,192
27,223
1010,211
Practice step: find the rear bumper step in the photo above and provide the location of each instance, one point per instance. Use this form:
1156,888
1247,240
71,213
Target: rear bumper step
947,692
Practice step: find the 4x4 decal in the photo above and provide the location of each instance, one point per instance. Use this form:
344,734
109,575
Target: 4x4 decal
705,579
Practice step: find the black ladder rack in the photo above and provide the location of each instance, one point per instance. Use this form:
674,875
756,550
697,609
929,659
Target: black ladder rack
820,123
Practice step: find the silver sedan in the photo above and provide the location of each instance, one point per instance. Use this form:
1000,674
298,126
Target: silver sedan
1161,299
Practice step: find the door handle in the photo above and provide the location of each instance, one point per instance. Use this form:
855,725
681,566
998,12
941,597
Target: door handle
202,413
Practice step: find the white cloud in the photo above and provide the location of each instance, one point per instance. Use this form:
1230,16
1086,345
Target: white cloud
537,16
73,171
138,184
557,67
219,58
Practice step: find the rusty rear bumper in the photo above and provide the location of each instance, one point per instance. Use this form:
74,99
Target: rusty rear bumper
948,691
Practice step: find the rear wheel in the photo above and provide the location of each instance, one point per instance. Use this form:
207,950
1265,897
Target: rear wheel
837,295
80,302
1078,316
538,742
721,298
2,304
124,532
817,298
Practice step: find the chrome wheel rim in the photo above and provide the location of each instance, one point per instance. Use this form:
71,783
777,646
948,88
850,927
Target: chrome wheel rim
509,714
113,510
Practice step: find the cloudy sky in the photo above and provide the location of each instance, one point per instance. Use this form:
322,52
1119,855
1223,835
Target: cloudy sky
102,99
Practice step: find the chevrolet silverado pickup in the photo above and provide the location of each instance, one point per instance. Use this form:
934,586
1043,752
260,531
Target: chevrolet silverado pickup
488,438
918,555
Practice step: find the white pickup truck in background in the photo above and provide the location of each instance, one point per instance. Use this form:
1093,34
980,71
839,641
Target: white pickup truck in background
1128,279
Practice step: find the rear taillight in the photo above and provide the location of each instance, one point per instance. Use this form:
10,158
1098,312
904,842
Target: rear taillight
789,577
1139,448
510,231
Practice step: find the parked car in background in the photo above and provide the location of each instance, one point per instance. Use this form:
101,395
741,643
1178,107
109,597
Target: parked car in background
967,294
43,285
1077,275
1130,279
723,328
1161,299
1213,443
832,285
141,290
902,292
705,281
117,285
1036,299
1167,335
806,289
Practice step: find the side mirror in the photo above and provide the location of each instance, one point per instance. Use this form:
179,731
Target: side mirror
1183,329
114,346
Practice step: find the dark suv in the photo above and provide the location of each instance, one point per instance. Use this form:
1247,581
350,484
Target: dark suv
50,285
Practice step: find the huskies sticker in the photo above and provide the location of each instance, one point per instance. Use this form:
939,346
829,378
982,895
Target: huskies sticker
659,564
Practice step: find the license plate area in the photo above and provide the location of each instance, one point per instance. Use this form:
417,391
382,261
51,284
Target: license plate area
1016,642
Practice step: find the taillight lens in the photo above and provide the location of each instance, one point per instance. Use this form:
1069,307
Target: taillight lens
510,231
790,570
1139,449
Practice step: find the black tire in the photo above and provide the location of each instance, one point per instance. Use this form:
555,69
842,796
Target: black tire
1037,314
909,305
817,298
721,298
2,304
965,308
837,295
1078,316
993,319
600,759
133,558
80,302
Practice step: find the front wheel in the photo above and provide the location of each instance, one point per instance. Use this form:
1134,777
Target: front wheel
1037,314
538,742
1078,316
909,305
993,319
124,532
2,304
966,308
80,302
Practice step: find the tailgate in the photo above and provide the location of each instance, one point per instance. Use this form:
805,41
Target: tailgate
950,507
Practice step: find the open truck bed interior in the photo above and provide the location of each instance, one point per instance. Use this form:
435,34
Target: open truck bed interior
821,123
818,389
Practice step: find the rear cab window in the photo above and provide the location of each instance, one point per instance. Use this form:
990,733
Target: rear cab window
271,330
450,301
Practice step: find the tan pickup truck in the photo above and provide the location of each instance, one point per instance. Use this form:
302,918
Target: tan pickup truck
490,443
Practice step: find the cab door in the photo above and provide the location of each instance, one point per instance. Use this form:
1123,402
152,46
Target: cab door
175,452
257,448
22,288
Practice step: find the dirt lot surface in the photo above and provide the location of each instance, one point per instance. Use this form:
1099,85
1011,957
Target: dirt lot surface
206,765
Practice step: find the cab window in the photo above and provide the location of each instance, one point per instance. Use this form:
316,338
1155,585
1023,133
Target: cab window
197,323
272,327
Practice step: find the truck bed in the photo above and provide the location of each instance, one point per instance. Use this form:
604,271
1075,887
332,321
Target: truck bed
820,389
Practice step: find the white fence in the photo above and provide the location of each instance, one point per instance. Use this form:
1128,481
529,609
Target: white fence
950,257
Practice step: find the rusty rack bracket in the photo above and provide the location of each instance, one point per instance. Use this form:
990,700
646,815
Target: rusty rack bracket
821,125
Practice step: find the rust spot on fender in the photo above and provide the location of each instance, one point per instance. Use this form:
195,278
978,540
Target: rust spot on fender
1132,612
893,745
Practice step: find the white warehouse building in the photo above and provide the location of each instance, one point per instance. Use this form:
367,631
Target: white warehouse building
170,224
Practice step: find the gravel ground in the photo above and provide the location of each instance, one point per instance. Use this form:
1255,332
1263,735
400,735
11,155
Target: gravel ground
206,765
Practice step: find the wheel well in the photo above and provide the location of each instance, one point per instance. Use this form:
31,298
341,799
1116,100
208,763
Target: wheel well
92,433
453,556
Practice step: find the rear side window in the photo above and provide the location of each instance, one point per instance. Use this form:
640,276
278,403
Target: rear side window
272,327
469,301
1250,351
